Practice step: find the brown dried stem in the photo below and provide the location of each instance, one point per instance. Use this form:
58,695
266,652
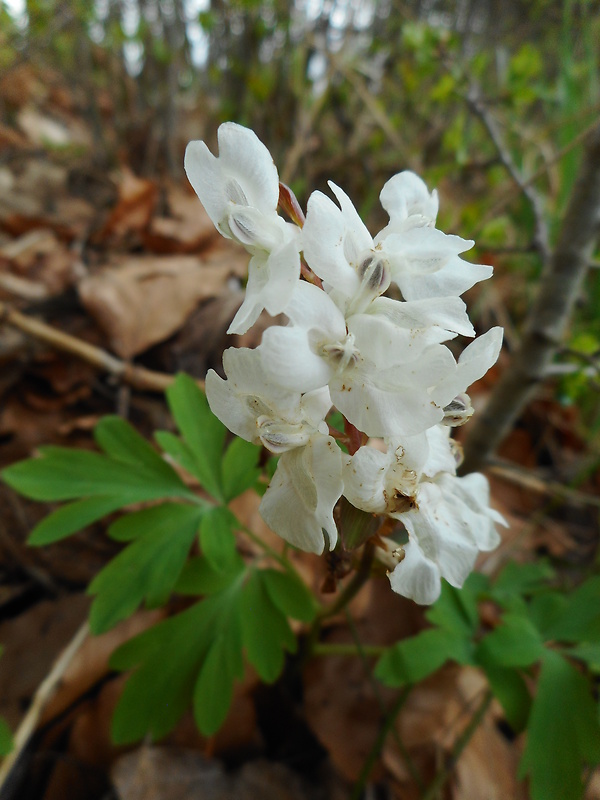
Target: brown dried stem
137,377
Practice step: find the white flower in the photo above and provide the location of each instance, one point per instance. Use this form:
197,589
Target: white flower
450,523
447,518
307,483
378,373
357,268
410,206
240,192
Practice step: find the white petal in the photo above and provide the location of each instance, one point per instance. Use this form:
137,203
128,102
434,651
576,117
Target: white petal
456,277
474,362
386,343
416,576
406,194
312,309
289,361
392,402
323,237
298,505
357,232
421,251
230,408
247,394
205,174
365,475
246,159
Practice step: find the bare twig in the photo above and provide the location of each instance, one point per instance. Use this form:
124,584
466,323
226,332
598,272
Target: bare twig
541,237
559,288
463,740
138,377
41,698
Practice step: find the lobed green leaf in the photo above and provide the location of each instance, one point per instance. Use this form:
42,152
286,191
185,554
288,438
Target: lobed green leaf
563,732
203,433
239,468
148,568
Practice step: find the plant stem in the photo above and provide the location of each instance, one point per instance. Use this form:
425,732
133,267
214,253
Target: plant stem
379,742
442,776
349,591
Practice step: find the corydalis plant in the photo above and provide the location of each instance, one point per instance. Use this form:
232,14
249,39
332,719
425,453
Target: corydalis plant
381,362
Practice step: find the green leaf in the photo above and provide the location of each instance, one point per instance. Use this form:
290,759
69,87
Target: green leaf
122,442
217,538
514,643
201,430
66,474
6,739
563,732
148,568
511,691
72,518
580,618
290,595
168,657
455,609
590,653
239,468
412,660
192,656
199,577
265,630
522,579
214,687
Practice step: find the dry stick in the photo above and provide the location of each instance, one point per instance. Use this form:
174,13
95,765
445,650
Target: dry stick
41,698
559,288
138,377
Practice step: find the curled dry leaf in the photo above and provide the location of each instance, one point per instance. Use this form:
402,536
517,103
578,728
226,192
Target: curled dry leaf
186,229
143,301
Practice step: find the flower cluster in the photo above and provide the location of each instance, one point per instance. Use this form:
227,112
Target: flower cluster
378,358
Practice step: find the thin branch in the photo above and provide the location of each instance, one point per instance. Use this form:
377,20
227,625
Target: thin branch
377,747
41,698
138,377
541,237
548,318
442,776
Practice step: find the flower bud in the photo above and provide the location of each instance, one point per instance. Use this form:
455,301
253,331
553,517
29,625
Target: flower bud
458,411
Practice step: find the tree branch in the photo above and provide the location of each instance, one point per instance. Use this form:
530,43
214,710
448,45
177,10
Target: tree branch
545,327
541,237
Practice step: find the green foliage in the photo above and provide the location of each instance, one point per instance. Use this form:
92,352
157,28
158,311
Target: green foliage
540,628
246,608
196,656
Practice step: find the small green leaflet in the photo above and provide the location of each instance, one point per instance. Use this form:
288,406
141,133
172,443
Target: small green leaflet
414,659
203,433
516,642
563,734
217,538
243,610
265,630
149,567
98,484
